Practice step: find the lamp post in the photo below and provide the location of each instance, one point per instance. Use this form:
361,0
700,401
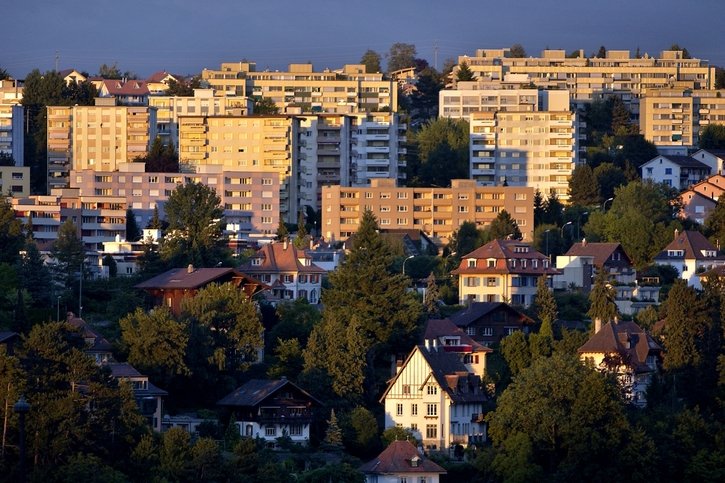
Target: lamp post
80,291
578,222
546,232
21,408
604,205
412,256
57,309
564,226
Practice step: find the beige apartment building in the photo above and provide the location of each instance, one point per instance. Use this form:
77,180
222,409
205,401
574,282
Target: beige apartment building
436,211
535,149
302,90
593,78
469,97
250,199
257,144
98,137
675,117
98,218
14,180
203,102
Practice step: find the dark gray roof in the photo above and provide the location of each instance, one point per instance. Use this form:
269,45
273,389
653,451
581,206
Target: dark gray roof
476,310
6,336
686,162
257,390
464,388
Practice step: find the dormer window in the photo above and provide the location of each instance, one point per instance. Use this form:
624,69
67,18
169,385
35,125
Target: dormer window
414,461
675,253
491,263
709,253
256,262
521,249
471,263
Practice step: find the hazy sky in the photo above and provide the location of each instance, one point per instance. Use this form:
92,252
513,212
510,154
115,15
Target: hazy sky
184,36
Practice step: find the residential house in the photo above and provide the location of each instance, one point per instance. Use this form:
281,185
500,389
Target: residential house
401,462
715,158
158,82
437,392
130,92
624,349
173,286
502,271
71,76
677,171
271,409
489,322
690,253
701,198
289,272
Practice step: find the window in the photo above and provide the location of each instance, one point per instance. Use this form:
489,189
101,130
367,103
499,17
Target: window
472,263
270,431
491,281
414,409
432,389
295,430
487,331
491,263
668,170
431,410
431,431
406,389
470,330
399,410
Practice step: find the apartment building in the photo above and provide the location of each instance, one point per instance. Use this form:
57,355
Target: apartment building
250,199
436,211
15,180
98,137
595,78
98,218
538,149
12,119
302,90
203,102
675,117
256,144
474,96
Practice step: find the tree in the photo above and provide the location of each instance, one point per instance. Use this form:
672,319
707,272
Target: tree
34,275
602,298
133,232
11,233
68,253
515,351
715,222
300,240
504,227
333,435
194,214
559,413
466,239
282,232
685,53
583,186
608,177
113,72
552,209
4,74
364,439
546,309
539,208
430,300
621,118
713,137
371,61
183,87
160,158
424,100
464,73
400,56
156,342
225,327
601,53
442,152
289,361
265,105
517,51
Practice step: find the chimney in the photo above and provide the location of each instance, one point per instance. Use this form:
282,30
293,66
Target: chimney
284,244
435,345
597,324
677,232
584,242
190,268
427,344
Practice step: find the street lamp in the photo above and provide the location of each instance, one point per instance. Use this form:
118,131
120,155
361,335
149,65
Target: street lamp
57,309
21,408
565,225
604,205
578,221
546,232
412,256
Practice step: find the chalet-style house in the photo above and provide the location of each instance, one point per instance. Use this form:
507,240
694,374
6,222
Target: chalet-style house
271,409
173,286
691,254
288,271
489,322
626,350
401,462
437,392
502,271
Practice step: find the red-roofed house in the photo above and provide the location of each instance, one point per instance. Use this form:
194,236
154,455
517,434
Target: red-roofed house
401,462
171,287
502,271
288,271
127,93
158,82
690,253
626,350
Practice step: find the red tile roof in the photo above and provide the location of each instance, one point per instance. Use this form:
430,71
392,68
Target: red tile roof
281,257
503,251
398,458
627,339
600,251
129,88
693,243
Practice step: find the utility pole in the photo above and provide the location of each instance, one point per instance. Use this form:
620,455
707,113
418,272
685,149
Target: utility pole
57,58
435,54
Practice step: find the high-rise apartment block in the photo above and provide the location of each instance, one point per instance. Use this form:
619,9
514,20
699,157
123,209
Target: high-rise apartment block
98,137
302,90
437,211
469,97
12,121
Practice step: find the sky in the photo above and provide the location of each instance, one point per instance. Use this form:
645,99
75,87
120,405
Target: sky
184,36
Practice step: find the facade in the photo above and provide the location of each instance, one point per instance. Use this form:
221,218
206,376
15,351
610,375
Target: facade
98,218
401,462
489,322
676,117
437,391
203,102
715,158
677,171
250,199
288,271
12,132
625,350
538,149
15,180
471,96
99,137
302,90
701,198
691,254
502,271
438,212
173,286
131,92
271,409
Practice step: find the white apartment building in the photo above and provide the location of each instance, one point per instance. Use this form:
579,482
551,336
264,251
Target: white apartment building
471,96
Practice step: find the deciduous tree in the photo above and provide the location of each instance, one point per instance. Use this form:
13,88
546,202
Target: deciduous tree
400,56
371,61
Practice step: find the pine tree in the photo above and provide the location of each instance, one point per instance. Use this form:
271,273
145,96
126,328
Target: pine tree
333,435
583,186
552,209
431,296
301,238
539,209
504,227
546,309
133,232
282,232
155,221
464,72
602,298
